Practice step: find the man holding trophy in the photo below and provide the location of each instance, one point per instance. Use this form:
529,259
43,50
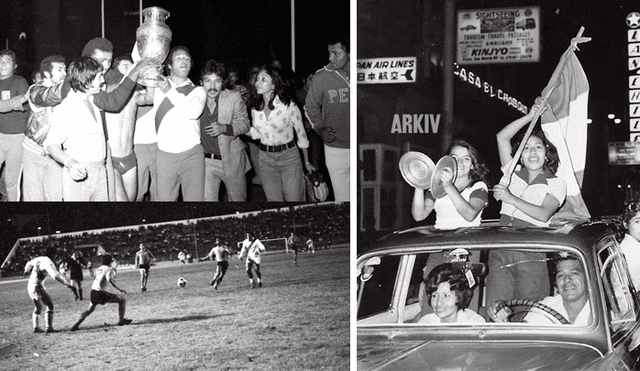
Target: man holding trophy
179,104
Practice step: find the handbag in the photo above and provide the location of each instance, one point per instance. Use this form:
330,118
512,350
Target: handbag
317,190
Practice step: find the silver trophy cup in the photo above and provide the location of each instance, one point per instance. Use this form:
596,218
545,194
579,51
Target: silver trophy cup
153,39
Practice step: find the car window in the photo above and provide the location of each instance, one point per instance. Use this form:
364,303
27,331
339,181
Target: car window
617,288
417,303
393,289
376,283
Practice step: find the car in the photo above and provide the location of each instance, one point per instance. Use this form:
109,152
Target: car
390,300
468,27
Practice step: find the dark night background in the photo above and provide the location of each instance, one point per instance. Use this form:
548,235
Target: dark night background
241,33
388,28
33,219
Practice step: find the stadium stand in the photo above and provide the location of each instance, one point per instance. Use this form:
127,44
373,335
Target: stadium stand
326,223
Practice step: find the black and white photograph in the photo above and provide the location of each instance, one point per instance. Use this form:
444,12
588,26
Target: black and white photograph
175,185
235,101
150,286
498,185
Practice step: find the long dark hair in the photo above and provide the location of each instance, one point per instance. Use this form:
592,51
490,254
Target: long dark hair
280,89
553,160
479,170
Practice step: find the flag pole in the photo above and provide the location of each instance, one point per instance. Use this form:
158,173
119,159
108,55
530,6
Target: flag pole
546,93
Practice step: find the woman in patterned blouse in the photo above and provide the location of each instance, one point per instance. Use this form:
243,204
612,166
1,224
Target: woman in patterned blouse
277,122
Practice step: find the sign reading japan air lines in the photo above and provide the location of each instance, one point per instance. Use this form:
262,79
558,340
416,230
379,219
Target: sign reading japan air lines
391,70
504,35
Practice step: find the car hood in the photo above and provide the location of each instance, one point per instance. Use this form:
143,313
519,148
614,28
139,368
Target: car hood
461,356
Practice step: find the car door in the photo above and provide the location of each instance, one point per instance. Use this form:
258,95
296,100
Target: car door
622,304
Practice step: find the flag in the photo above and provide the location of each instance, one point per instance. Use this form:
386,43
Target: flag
565,125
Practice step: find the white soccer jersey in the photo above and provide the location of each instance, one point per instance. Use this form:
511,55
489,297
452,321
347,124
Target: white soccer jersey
40,267
252,249
104,274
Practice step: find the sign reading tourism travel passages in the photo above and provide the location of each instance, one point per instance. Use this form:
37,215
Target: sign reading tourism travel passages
504,35
390,70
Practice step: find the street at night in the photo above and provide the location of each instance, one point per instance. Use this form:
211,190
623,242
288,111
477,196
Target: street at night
485,96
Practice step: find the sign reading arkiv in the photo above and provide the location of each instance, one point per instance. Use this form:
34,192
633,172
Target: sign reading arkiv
499,35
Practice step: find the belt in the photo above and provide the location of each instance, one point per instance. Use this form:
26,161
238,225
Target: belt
213,156
279,148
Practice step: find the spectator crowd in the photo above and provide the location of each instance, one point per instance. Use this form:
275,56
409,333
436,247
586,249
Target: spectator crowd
327,224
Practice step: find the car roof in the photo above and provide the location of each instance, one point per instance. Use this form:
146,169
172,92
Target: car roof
578,233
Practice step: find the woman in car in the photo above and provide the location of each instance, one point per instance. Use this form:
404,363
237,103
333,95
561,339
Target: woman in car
534,194
449,295
630,244
467,194
466,197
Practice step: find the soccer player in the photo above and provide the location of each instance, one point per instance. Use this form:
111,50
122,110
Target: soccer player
293,240
75,272
221,254
251,249
310,246
143,262
182,256
99,294
39,268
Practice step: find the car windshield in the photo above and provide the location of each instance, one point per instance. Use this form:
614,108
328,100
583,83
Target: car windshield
496,286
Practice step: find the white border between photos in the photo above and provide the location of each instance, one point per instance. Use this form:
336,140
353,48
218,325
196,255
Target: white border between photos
354,180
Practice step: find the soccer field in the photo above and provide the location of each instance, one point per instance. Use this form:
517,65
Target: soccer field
299,320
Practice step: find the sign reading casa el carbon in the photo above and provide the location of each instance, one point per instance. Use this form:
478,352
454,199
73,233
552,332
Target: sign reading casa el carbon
501,35
390,70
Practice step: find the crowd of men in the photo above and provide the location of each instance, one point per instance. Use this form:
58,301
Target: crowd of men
90,132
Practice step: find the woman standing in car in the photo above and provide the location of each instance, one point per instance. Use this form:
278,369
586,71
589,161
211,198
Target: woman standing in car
534,194
466,196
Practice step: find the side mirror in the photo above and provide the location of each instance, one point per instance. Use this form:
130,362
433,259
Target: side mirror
366,272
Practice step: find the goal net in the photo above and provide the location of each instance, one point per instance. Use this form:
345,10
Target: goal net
271,244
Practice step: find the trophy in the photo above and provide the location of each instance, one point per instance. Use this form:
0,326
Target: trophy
153,38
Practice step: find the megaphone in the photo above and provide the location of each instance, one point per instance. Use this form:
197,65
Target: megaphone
420,172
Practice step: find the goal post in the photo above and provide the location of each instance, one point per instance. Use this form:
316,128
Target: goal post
271,244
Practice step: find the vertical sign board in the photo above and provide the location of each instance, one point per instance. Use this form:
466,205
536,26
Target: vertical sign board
624,153
391,70
633,53
500,35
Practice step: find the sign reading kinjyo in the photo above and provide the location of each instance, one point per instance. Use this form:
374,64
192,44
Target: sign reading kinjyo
504,35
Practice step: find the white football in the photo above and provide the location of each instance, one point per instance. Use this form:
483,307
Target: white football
182,282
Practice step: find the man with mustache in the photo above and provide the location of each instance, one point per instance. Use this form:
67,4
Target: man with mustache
76,138
41,96
178,104
42,175
572,299
224,119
